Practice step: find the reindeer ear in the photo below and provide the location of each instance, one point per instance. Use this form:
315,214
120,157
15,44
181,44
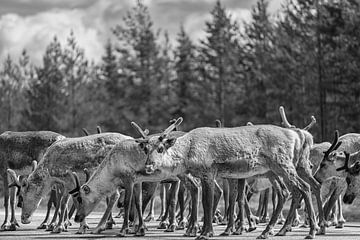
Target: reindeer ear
169,142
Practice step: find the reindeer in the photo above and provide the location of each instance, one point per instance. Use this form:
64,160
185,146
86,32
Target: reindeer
69,154
124,166
17,151
333,159
352,173
240,152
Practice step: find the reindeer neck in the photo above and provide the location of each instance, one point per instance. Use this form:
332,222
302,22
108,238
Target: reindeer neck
175,157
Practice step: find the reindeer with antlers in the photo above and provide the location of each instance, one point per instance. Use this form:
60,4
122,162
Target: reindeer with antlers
124,166
68,154
239,152
352,173
334,159
17,151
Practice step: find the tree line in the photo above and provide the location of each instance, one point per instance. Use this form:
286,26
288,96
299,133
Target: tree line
305,58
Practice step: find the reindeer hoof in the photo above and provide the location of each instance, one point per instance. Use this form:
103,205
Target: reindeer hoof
171,228
321,230
58,229
340,225
262,236
310,236
281,233
109,224
227,232
50,227
163,225
182,225
140,232
42,226
149,218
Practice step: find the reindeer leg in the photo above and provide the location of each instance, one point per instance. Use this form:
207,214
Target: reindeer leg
174,189
250,216
241,203
217,195
207,199
163,188
138,204
72,210
60,226
226,195
278,187
193,187
264,213
120,205
150,217
164,222
51,201
127,203
105,219
13,223
342,220
233,185
181,201
330,204
315,186
6,225
57,199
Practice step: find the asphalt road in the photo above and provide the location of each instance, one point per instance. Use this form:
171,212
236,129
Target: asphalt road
351,231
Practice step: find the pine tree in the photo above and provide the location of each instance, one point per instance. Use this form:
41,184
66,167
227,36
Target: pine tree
75,70
11,85
139,56
220,59
46,93
185,86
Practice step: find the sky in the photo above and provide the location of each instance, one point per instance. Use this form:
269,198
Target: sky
32,24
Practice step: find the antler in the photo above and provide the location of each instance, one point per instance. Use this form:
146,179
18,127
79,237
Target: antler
87,174
284,119
14,178
335,144
312,123
34,165
138,128
218,123
85,132
77,183
98,128
172,121
172,127
346,165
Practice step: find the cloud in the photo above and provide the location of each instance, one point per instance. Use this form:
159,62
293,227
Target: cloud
32,24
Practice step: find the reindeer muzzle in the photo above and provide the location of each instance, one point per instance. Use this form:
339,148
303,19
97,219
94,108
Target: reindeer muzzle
25,219
79,218
349,198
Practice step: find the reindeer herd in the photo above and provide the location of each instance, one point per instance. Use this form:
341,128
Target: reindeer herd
247,159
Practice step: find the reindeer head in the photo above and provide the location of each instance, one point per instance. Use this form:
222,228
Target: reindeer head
156,146
32,191
85,197
331,159
352,178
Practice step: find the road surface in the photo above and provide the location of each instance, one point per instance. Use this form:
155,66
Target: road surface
351,231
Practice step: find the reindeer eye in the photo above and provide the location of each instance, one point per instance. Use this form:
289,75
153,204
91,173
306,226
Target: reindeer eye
86,189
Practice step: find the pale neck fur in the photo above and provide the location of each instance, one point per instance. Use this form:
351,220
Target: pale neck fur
175,158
